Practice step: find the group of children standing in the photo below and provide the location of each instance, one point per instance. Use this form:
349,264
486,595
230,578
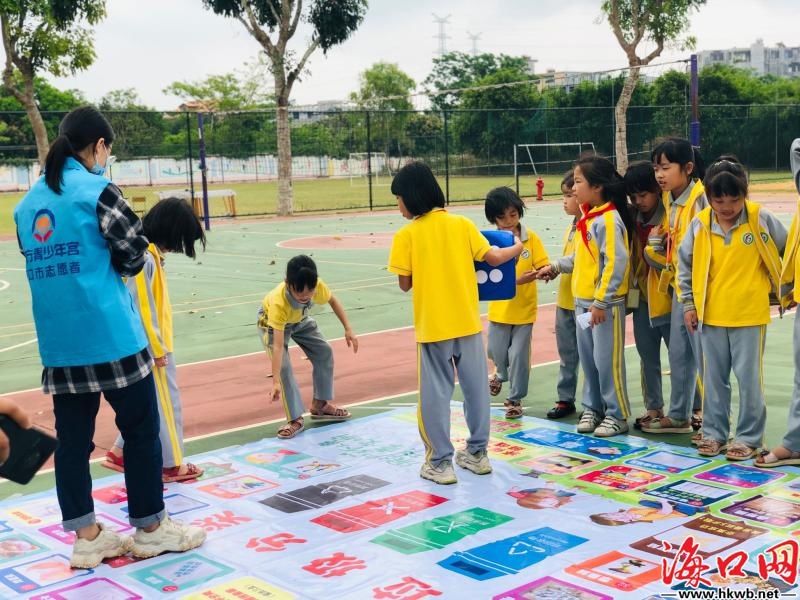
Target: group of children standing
682,249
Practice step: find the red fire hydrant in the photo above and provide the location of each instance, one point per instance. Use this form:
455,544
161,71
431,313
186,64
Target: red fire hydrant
539,189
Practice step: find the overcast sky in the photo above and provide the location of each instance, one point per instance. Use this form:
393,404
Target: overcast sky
147,44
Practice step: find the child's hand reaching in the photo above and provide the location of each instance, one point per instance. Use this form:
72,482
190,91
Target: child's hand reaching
161,361
276,391
351,339
546,273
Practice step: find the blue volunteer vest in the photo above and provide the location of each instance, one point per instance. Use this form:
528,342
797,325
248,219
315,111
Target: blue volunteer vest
83,312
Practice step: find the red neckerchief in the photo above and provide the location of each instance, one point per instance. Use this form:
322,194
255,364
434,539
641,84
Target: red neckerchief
589,213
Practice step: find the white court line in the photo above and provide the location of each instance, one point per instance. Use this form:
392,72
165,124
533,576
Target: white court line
4,285
18,346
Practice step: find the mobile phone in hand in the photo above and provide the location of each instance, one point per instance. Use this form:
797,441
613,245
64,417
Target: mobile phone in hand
29,449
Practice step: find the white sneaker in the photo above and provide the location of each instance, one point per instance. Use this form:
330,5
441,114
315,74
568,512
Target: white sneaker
87,554
170,536
588,422
478,463
443,474
611,426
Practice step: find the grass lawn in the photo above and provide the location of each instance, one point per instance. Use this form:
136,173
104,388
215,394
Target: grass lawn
338,194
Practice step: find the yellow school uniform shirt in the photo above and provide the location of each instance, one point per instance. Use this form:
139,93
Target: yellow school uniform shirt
437,250
730,282
522,308
154,306
277,310
565,299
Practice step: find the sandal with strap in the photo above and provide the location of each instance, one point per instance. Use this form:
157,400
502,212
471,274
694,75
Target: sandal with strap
647,418
513,411
768,459
329,412
710,447
697,421
173,474
740,451
288,430
114,462
495,385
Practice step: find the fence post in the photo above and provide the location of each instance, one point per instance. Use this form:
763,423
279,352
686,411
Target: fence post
189,156
201,144
694,126
446,161
369,160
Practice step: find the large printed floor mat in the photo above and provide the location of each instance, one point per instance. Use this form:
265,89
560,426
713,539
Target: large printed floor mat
341,512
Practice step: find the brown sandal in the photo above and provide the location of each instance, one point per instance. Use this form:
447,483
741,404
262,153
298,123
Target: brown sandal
290,429
768,459
495,385
710,447
740,451
513,411
329,412
697,420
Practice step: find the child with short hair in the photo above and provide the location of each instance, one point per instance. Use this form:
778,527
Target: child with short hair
566,336
511,321
679,172
170,226
434,257
788,453
729,264
283,316
651,307
600,270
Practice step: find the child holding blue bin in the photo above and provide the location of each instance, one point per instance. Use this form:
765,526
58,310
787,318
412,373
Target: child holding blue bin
511,321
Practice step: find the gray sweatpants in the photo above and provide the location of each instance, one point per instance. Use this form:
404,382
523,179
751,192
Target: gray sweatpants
648,345
602,353
169,414
792,439
740,349
510,351
567,344
685,363
438,363
308,337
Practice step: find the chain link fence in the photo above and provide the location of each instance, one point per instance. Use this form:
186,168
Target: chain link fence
346,159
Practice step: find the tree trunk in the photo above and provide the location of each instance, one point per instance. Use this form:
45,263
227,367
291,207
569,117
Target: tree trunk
285,194
37,123
621,118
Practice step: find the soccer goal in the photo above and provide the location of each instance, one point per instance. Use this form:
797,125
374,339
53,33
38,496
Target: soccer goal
536,159
361,164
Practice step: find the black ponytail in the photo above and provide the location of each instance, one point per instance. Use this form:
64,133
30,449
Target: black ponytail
80,129
601,172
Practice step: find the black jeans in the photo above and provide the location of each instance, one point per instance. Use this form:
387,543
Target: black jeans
136,412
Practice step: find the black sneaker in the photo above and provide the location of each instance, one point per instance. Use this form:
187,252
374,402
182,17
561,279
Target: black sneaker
561,410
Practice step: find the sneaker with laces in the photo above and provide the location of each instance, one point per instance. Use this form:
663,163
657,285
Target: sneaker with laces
611,426
478,463
442,474
87,554
588,422
170,536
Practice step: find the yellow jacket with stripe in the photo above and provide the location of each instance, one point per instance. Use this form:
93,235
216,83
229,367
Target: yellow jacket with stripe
645,272
600,267
790,267
565,299
151,298
728,278
680,212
